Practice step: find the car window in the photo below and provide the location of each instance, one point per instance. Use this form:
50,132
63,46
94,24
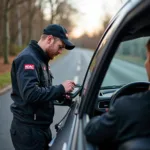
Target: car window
99,52
128,63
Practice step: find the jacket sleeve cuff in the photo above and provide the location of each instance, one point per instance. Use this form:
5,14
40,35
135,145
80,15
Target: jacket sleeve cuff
61,89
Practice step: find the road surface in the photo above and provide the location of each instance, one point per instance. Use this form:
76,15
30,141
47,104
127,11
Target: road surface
73,67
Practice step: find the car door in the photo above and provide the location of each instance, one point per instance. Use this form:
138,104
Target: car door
100,62
71,136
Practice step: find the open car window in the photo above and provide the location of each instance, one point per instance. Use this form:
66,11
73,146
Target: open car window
128,64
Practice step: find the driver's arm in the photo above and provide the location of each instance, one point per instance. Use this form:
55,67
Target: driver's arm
102,128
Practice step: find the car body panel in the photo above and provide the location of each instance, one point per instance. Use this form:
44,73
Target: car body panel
121,27
65,134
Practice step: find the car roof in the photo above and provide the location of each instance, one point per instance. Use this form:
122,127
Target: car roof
139,25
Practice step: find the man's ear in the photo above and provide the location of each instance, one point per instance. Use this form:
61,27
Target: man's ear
50,39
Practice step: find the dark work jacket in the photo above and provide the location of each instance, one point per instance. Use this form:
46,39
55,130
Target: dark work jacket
32,90
128,118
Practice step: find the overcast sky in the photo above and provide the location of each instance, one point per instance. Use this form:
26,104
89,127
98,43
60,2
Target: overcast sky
93,13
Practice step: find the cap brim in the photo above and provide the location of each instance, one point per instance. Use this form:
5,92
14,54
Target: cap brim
68,45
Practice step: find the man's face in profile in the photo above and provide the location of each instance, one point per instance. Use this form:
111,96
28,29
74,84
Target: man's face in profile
147,62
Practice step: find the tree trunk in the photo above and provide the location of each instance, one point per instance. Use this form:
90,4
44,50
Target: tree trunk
52,12
31,16
1,26
6,35
19,27
29,28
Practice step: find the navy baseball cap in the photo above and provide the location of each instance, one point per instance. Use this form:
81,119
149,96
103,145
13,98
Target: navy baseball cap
60,32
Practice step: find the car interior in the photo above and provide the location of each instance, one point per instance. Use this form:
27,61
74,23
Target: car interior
126,74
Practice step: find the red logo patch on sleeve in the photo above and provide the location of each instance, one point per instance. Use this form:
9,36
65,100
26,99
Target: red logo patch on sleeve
29,67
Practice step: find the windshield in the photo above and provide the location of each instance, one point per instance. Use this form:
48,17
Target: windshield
128,63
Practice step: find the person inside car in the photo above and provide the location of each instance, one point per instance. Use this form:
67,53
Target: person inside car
127,118
33,92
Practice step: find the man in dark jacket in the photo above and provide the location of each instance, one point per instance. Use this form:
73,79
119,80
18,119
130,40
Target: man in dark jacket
33,92
127,118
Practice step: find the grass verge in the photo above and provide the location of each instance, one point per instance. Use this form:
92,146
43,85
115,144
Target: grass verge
5,80
132,59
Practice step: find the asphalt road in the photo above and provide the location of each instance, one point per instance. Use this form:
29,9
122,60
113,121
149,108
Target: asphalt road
122,72
71,67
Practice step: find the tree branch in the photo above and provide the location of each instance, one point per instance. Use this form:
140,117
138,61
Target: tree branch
16,3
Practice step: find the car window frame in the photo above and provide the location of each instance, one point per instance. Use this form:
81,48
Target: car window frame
84,110
122,19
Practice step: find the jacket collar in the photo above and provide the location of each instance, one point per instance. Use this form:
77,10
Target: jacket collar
39,51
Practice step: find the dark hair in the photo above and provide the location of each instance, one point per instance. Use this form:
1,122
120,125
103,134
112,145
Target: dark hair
148,45
43,36
56,38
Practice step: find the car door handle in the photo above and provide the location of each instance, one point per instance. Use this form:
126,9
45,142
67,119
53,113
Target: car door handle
64,146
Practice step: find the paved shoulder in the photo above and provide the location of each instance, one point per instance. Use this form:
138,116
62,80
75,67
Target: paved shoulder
4,90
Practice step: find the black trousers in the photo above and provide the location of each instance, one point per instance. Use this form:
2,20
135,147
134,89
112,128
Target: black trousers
29,137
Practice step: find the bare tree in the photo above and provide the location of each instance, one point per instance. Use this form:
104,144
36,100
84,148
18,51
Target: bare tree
8,5
1,25
61,12
53,7
31,12
65,13
21,20
19,26
6,31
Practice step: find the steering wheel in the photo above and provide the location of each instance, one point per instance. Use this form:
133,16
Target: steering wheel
129,89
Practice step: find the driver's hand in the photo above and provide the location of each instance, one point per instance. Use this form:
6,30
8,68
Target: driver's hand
68,85
106,109
67,96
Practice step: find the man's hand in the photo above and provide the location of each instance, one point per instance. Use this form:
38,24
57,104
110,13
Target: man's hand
68,85
66,96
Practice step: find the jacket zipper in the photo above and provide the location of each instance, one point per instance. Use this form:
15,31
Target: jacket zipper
34,116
